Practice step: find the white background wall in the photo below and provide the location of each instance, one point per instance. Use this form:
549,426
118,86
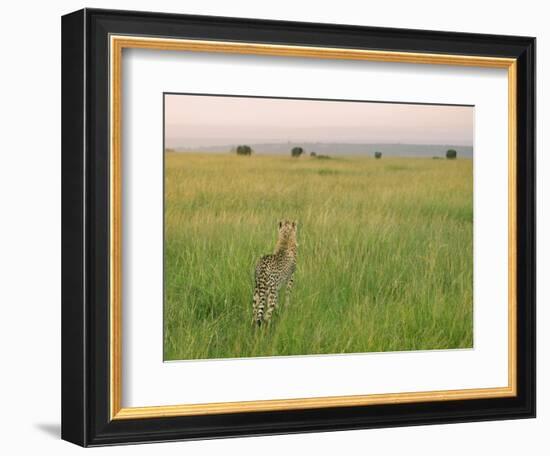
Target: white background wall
30,226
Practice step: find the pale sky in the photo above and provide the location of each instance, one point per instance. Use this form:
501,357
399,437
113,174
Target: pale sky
197,120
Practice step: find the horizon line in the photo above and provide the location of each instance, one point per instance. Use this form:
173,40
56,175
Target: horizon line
326,142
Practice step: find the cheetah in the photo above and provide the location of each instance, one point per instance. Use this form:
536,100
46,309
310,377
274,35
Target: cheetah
274,271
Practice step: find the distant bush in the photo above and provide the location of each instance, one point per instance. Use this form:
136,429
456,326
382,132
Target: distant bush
323,157
244,150
436,158
296,151
377,155
451,154
169,150
313,154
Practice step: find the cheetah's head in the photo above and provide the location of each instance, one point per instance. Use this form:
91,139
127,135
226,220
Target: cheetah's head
288,229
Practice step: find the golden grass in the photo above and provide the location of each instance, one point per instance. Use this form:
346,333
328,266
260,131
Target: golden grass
384,262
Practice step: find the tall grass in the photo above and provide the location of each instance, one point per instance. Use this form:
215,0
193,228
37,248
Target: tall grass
384,257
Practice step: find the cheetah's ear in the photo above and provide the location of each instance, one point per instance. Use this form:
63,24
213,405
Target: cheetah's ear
294,223
280,224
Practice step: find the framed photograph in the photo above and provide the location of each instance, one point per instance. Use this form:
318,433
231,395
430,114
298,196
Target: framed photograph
279,227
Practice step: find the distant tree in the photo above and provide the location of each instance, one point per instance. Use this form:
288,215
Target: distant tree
296,151
323,157
377,155
451,154
244,150
313,154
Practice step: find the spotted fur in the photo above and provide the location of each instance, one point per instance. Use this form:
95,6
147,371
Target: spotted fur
274,271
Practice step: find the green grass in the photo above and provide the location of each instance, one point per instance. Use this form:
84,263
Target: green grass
384,257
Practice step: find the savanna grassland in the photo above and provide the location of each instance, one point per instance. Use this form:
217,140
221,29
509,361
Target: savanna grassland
384,257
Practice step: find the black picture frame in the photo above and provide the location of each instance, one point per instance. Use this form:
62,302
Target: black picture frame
85,227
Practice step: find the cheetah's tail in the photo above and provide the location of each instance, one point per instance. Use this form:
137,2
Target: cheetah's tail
258,307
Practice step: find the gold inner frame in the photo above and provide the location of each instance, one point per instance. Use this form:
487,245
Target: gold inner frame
117,44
